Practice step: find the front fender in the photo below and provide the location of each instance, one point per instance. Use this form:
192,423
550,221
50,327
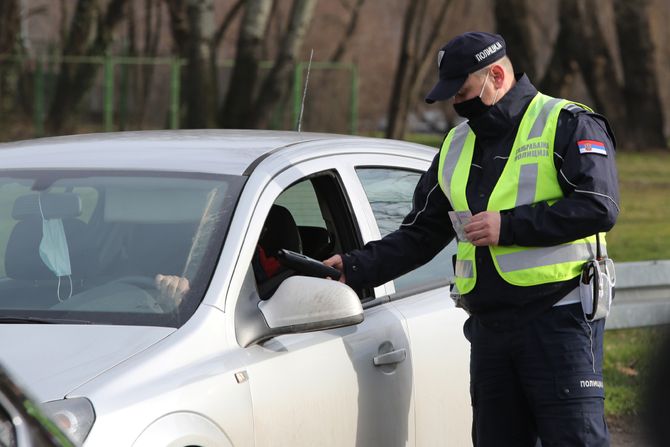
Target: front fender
182,429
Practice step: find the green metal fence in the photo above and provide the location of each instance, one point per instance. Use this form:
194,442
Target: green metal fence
44,68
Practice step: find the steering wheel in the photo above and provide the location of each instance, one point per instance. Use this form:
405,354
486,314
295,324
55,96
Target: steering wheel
143,282
148,285
125,293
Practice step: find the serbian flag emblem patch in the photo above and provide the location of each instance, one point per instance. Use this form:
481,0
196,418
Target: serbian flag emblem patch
591,147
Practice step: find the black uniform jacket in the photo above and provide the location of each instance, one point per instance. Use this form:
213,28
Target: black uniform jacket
589,184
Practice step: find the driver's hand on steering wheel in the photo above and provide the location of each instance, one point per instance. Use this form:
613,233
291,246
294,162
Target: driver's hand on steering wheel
335,261
172,289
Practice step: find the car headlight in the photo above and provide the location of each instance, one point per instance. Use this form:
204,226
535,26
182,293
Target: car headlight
74,416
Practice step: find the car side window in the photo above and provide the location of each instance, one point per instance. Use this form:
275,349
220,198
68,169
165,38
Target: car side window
390,192
301,200
309,217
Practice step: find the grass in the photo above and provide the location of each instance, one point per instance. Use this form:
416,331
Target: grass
642,231
625,366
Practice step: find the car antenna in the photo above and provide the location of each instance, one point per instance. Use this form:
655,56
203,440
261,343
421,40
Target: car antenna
304,92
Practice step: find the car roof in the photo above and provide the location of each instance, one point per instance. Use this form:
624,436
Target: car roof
235,152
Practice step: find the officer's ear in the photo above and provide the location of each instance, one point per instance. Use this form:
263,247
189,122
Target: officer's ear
498,75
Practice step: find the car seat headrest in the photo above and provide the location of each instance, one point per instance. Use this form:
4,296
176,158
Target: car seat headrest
50,205
280,231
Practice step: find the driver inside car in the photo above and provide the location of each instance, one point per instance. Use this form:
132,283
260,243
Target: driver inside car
279,231
173,288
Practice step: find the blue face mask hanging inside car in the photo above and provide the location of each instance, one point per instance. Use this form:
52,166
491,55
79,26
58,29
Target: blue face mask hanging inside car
54,250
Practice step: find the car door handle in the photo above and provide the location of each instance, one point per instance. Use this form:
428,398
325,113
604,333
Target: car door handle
390,358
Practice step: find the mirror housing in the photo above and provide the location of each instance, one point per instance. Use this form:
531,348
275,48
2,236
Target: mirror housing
300,304
303,304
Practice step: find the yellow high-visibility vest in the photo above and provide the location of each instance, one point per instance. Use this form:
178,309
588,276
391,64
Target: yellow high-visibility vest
529,177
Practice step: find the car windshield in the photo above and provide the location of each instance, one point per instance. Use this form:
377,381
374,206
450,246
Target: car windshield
87,247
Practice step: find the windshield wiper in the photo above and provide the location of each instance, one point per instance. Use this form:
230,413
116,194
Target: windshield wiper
36,320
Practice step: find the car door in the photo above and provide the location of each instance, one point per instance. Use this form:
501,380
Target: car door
440,353
324,388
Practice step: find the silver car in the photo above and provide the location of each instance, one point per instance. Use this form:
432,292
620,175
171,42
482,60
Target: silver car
238,348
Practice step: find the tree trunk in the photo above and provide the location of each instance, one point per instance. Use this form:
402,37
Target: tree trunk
644,123
10,26
9,45
193,31
215,44
581,47
90,35
414,62
225,24
153,25
274,30
513,20
278,81
63,25
239,99
398,108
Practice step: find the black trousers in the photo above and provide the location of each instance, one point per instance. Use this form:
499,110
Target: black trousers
542,380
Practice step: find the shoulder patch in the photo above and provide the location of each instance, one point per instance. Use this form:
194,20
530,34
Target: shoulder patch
592,147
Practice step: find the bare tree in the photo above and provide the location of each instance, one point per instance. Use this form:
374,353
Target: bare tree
644,120
153,26
274,30
193,31
418,41
250,98
513,20
225,24
238,104
10,26
349,31
632,106
90,34
279,78
10,44
63,24
581,49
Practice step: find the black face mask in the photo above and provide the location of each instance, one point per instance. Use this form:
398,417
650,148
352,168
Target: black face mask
472,108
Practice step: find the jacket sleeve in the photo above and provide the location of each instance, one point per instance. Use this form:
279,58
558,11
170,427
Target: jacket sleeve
589,183
424,232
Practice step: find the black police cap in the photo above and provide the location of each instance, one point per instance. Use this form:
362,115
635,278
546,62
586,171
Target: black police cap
462,55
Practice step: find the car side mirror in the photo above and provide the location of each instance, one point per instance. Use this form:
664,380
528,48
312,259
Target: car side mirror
302,304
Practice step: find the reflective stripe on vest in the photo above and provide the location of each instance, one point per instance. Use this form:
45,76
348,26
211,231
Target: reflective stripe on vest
529,177
464,268
447,166
542,256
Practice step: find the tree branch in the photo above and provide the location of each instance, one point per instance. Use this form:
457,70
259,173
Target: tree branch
348,32
225,24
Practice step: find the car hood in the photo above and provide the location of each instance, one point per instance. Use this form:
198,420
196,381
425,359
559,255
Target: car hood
52,360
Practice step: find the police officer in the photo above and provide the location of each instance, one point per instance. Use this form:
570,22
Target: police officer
538,178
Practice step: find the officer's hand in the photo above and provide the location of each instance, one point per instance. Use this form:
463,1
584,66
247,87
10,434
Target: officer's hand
172,290
484,228
336,262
